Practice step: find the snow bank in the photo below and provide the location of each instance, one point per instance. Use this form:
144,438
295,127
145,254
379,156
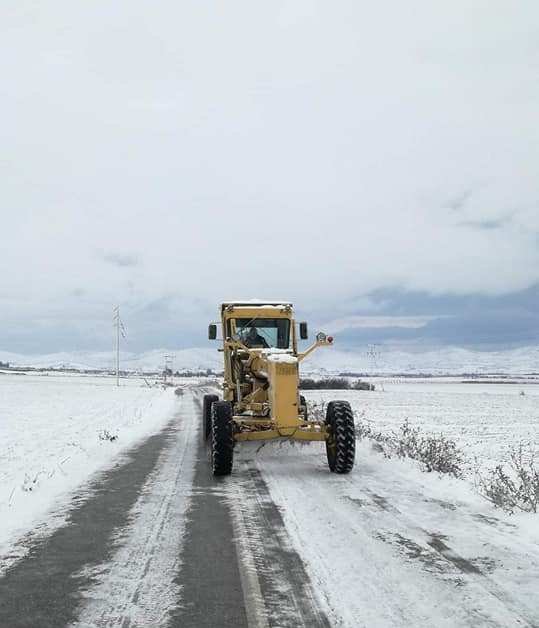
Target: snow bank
56,431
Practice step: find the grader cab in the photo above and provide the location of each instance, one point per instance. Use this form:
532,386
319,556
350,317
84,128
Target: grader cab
261,399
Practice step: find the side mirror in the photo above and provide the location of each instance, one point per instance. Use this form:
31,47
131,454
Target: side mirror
303,332
212,331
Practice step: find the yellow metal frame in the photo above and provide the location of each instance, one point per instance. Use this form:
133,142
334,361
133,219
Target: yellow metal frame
294,433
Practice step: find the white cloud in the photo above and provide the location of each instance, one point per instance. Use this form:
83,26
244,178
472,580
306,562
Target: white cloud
378,322
303,149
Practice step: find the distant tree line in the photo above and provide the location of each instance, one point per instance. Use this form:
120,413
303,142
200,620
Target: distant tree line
201,373
334,383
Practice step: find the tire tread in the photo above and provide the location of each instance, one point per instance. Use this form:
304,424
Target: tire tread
207,402
340,420
222,438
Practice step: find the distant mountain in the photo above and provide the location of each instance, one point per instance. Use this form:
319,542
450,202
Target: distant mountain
444,361
194,359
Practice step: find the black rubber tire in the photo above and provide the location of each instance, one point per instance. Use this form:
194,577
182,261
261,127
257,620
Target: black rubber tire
206,415
341,440
303,403
222,438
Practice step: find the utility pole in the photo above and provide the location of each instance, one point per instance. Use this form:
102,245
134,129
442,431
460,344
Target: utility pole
120,329
373,352
168,366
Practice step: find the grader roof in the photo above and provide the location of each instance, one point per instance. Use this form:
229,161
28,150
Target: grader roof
255,304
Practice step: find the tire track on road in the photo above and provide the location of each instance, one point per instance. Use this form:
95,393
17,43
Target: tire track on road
238,566
46,588
136,588
343,529
288,596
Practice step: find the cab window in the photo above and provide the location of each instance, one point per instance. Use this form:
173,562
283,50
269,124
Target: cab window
266,333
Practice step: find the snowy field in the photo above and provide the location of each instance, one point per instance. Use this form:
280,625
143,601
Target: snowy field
53,437
484,419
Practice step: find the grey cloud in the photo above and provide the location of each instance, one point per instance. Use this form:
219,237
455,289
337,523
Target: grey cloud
483,224
476,321
413,319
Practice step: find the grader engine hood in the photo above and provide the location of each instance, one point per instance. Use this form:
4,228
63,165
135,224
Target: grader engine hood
283,377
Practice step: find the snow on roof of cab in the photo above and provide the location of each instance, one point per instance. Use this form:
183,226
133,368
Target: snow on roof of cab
256,303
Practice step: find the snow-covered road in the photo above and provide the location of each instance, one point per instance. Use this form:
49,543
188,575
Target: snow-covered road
282,542
390,546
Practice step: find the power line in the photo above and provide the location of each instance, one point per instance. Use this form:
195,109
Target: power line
120,331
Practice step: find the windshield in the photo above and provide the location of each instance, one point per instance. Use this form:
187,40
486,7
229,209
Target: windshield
266,333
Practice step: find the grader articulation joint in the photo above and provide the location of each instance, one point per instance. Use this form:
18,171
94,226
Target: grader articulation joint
261,399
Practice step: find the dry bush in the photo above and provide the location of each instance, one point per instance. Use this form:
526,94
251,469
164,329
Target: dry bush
316,411
333,383
330,383
106,435
514,488
434,452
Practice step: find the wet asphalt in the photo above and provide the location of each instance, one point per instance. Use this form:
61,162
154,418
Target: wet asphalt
47,587
44,589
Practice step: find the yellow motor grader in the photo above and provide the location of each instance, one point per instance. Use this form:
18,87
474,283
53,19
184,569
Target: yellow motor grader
261,399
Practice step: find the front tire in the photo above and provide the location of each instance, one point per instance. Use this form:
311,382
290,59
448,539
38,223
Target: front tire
341,438
207,402
222,438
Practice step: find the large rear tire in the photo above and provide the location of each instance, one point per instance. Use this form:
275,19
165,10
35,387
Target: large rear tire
222,438
207,402
341,439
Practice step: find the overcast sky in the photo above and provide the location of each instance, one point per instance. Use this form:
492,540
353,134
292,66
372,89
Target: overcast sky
374,162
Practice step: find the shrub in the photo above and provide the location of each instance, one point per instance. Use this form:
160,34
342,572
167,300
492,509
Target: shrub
433,452
316,411
332,383
106,435
514,488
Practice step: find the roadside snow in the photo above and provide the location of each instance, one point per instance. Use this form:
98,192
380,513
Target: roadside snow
57,431
391,546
